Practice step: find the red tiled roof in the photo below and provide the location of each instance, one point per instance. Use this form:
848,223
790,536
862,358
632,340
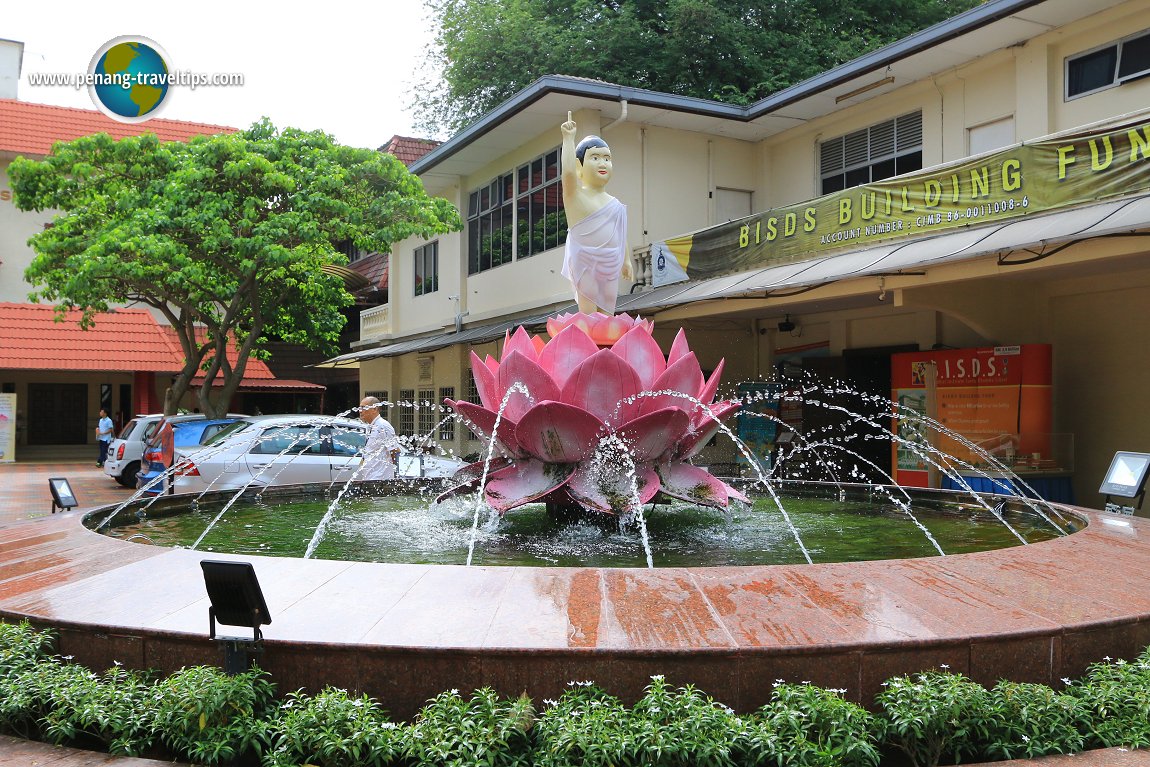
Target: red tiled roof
257,375
122,340
408,150
375,268
32,128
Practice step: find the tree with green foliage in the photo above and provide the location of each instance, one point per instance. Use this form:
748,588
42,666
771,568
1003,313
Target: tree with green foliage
227,236
735,51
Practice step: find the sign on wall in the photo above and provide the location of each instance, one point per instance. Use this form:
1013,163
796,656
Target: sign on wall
7,428
1030,178
998,398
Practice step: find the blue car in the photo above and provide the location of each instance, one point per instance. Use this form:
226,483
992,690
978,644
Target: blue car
185,434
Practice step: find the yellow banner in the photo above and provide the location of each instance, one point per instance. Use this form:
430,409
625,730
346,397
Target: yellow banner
1025,179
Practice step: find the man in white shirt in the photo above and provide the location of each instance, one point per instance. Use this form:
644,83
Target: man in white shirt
381,452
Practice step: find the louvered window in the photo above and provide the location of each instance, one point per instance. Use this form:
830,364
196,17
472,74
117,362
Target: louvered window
888,149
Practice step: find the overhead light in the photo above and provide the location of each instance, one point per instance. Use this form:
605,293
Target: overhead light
863,89
786,326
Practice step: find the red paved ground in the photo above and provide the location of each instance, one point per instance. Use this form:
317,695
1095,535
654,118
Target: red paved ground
349,622
24,492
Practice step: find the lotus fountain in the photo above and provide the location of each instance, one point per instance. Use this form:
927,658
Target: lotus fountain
551,412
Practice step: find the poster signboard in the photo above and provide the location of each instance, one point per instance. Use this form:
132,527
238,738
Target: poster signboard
997,398
7,428
1034,177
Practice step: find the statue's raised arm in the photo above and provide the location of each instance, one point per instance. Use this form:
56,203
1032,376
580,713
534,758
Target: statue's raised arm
596,251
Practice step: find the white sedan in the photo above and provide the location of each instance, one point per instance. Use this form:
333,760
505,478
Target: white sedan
258,451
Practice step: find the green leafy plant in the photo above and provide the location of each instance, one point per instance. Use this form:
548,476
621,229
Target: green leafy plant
805,725
684,727
1029,720
586,726
209,717
485,731
79,706
932,714
22,652
331,729
1116,695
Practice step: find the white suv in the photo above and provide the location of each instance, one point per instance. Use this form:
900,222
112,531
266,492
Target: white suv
126,451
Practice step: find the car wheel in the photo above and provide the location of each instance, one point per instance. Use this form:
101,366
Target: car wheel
127,477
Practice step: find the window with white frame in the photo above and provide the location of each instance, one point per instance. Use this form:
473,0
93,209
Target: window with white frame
447,427
1108,66
427,268
384,407
427,411
516,215
406,405
473,398
887,149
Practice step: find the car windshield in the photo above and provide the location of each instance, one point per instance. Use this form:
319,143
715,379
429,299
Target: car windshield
223,433
124,432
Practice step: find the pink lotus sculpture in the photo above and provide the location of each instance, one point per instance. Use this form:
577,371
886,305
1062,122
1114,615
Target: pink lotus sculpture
602,428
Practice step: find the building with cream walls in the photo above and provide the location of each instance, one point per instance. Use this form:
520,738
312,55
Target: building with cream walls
1006,73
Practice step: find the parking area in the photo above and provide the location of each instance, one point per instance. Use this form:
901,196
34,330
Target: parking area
24,491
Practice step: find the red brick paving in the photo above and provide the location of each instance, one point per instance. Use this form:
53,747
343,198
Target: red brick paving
24,492
27,753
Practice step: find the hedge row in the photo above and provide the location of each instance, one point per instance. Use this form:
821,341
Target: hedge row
203,716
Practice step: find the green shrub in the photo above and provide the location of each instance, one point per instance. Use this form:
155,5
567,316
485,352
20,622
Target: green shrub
332,729
682,728
77,704
808,726
22,647
1116,695
209,717
485,731
585,727
932,714
1029,720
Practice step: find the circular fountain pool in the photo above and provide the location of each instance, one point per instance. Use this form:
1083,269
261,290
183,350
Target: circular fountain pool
404,529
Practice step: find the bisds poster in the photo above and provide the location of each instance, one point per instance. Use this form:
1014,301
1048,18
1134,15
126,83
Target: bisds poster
998,398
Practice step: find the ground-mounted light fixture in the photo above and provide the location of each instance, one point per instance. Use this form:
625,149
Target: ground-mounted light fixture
237,600
1126,478
62,496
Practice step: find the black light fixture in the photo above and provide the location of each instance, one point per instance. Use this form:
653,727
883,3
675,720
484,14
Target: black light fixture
1126,478
62,496
237,600
786,326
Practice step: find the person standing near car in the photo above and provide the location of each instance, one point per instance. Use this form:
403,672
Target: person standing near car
104,429
381,453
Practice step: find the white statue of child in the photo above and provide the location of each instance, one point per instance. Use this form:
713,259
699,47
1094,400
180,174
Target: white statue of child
596,251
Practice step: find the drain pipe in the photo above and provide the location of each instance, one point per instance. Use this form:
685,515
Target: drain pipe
621,118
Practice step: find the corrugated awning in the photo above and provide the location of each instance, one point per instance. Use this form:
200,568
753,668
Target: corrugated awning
1127,215
473,335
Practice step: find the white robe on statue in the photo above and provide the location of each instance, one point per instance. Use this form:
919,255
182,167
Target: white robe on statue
593,257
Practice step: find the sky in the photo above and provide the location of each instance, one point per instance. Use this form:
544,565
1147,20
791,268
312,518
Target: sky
344,68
